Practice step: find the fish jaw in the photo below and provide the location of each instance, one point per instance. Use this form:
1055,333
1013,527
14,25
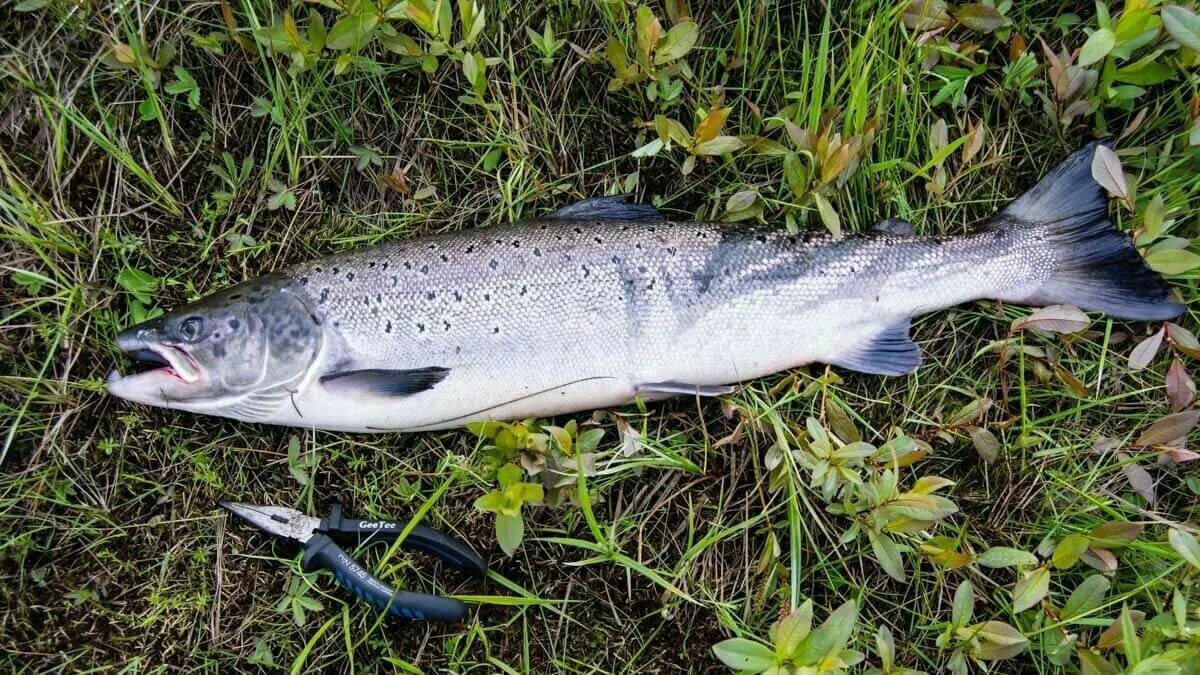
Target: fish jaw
166,385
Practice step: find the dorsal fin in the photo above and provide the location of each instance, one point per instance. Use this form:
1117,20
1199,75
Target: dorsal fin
896,226
614,207
891,352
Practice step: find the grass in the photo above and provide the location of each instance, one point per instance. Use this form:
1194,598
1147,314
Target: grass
116,199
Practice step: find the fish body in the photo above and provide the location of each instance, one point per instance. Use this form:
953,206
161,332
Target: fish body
603,302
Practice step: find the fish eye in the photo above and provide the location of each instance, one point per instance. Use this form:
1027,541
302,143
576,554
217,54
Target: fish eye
191,328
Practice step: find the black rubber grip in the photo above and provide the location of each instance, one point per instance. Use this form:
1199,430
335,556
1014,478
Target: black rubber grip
322,552
421,538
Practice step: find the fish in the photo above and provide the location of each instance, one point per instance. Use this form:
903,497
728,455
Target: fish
604,302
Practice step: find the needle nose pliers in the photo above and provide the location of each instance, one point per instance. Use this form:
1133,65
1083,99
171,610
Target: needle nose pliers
320,538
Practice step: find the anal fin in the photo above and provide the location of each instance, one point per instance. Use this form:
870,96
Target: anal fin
380,382
682,388
890,352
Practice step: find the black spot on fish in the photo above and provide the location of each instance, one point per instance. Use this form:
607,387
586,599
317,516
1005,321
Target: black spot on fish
350,276
598,240
457,296
318,268
385,265
421,327
616,260
433,247
578,231
337,324
624,228
446,324
367,300
558,237
487,296
762,238
471,248
445,258
638,245
586,271
670,250
499,242
388,327
537,252
336,270
371,264
324,294
407,265
567,257
495,330
524,290
493,264
234,324
395,280
424,269
379,297
216,336
516,244
303,282
430,295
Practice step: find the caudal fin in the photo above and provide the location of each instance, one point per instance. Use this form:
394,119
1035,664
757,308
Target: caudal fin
1094,266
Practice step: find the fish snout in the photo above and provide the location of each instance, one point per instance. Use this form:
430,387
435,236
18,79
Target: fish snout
139,337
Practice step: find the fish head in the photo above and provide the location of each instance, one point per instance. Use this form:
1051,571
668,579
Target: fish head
209,355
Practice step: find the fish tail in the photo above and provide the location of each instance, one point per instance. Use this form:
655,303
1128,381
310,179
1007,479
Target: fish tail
1093,266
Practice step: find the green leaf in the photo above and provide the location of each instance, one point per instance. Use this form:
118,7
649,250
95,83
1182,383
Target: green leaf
1185,545
648,150
1086,597
352,31
509,474
678,42
1031,588
1098,45
510,530
721,145
828,216
964,604
1003,556
1173,261
888,555
831,637
1183,25
791,631
492,502
743,654
1067,552
30,5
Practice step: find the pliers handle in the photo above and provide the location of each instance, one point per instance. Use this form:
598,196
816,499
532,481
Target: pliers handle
323,552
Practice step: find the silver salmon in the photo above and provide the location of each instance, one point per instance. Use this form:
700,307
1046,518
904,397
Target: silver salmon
603,302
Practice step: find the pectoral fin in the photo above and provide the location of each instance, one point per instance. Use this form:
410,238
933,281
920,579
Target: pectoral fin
614,207
891,352
682,388
896,226
378,382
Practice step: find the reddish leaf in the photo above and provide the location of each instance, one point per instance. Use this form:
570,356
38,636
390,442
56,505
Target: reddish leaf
1099,560
1184,340
1144,352
1055,318
1181,390
1106,170
1169,429
1114,534
1139,479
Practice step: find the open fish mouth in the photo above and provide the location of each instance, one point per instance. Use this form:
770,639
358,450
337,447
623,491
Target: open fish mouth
156,360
